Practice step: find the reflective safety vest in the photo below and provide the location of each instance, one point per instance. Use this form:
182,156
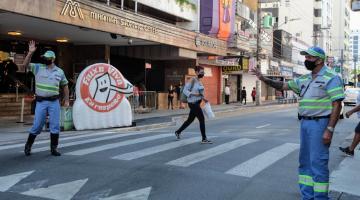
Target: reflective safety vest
47,81
316,95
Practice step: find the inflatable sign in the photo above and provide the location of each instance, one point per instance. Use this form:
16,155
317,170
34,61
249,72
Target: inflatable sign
101,102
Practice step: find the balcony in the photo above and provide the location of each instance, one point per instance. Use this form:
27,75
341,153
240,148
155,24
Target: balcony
318,5
168,16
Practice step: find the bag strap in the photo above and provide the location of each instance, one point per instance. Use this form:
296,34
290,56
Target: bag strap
192,84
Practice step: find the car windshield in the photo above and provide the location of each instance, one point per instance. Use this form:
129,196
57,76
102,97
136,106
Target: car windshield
352,91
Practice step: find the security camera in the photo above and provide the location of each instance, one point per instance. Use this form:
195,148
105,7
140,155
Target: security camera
130,41
113,36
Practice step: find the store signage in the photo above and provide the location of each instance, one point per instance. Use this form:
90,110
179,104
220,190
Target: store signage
230,69
100,98
147,66
205,42
122,22
286,71
72,8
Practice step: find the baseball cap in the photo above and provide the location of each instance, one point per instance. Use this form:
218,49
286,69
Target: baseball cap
49,54
314,51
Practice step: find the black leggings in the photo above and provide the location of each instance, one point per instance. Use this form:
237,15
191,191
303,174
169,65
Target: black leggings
195,111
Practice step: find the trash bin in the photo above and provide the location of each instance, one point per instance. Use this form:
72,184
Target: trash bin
66,119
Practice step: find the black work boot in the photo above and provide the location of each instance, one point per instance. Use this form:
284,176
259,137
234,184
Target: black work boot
54,143
29,143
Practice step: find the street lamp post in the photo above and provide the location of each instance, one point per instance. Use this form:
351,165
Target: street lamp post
258,49
355,73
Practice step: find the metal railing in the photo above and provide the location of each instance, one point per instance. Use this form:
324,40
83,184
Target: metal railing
145,102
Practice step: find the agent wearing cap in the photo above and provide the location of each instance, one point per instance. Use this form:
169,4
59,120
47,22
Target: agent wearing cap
321,93
48,79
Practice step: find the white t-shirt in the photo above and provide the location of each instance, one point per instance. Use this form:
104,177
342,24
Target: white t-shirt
227,90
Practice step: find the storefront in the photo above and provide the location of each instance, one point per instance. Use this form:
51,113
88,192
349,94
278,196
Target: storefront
85,32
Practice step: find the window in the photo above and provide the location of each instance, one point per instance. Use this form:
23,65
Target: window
316,27
317,12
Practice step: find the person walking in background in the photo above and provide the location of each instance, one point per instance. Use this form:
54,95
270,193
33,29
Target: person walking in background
194,90
227,94
136,95
243,95
349,150
171,92
253,94
178,90
48,79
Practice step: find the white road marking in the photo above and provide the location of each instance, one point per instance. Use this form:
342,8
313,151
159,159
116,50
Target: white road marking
11,146
255,165
263,126
61,145
156,149
6,182
64,191
209,153
142,194
116,145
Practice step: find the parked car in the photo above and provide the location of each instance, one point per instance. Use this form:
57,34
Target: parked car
341,112
351,95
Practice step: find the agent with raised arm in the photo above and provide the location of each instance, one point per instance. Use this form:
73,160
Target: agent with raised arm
321,93
48,79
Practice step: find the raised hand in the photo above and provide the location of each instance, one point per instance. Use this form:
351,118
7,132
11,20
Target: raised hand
348,114
32,47
256,71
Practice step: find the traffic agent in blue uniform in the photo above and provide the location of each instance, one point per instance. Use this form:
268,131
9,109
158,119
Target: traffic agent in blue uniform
48,80
321,93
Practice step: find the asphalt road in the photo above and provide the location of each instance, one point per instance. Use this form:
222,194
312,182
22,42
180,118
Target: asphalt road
254,156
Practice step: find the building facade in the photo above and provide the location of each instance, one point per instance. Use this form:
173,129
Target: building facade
341,38
355,53
323,17
129,35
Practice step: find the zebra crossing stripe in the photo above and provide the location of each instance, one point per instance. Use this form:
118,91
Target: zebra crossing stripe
34,150
255,165
116,145
156,149
209,153
11,146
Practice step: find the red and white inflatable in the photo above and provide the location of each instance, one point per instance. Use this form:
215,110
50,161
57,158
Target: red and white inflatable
101,102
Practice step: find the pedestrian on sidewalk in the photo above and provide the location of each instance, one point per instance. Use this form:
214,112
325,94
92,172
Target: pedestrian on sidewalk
136,95
243,95
253,94
194,90
227,94
349,150
48,79
178,90
321,93
171,92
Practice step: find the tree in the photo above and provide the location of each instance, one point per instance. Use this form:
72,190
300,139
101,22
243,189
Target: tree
186,2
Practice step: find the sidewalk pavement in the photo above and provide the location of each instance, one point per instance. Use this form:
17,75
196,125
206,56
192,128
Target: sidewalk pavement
13,132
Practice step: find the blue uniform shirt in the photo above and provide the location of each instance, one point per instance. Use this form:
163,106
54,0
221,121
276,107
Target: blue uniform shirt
317,94
47,80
